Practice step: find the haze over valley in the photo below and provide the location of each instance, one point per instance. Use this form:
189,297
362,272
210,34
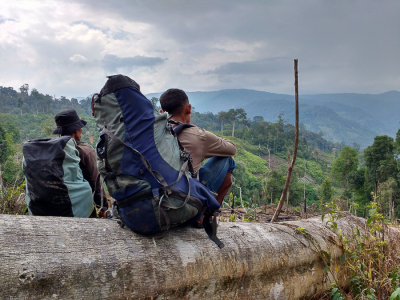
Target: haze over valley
347,118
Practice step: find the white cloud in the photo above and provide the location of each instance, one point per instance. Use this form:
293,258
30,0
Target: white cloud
77,58
68,47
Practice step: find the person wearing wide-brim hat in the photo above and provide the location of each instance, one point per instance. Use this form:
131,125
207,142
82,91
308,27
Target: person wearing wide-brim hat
69,123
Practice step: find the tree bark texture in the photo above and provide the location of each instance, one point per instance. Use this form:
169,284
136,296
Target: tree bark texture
73,258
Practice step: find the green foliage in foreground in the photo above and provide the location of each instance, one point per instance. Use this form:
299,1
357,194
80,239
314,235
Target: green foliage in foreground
11,177
373,174
369,260
12,200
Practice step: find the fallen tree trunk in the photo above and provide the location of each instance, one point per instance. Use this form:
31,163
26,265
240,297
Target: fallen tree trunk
71,258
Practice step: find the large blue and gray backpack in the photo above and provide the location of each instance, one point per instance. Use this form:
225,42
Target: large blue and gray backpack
143,165
54,181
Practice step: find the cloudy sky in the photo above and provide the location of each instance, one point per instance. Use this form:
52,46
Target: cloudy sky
66,48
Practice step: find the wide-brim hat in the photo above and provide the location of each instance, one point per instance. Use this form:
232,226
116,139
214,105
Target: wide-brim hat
67,122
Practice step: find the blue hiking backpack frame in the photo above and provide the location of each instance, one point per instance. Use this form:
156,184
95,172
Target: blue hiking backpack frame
149,173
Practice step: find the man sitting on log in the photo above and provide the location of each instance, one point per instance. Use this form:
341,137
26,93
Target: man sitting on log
201,144
69,123
61,173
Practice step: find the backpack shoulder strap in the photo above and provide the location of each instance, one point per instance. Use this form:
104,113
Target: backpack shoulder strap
179,126
176,130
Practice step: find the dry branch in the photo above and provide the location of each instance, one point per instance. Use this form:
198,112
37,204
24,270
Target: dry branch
296,142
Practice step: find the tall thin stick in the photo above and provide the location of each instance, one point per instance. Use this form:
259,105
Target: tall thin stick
296,142
304,192
288,192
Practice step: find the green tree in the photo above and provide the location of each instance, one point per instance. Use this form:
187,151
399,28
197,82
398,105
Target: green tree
222,116
24,89
397,142
42,103
10,167
236,116
5,146
387,192
380,160
343,168
345,165
325,191
11,178
274,185
258,119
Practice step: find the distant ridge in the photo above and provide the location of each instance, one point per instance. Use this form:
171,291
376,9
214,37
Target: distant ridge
342,117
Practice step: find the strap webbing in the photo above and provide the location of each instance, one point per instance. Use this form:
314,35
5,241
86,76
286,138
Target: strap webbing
210,220
160,179
211,228
184,154
167,187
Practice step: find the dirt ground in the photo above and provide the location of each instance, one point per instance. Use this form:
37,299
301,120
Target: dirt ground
263,214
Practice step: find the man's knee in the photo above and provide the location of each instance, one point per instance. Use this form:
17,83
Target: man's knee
224,188
214,172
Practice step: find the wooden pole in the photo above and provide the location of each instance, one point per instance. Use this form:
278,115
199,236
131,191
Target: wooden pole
304,190
1,181
269,157
296,142
288,192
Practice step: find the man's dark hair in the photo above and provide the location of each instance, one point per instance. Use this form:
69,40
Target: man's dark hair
173,101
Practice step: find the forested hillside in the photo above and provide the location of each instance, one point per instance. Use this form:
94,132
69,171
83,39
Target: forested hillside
343,118
324,171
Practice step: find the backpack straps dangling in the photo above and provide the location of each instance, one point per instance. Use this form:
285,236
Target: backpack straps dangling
210,226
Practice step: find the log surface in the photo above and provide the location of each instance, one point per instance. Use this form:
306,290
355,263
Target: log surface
72,258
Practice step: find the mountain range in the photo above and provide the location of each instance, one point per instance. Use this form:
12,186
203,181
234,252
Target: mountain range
347,118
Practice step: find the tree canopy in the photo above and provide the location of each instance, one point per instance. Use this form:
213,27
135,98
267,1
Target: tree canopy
345,165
